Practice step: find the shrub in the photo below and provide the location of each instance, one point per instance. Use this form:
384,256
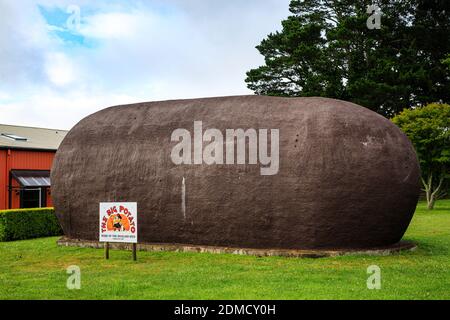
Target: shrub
17,224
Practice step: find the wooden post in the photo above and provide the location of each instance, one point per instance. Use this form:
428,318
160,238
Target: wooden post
134,252
106,250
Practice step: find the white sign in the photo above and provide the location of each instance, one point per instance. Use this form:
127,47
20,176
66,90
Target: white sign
118,222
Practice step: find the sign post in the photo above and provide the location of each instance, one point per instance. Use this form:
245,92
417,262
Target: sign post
118,223
106,250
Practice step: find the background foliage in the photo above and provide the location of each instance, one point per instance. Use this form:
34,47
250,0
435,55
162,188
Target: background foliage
326,49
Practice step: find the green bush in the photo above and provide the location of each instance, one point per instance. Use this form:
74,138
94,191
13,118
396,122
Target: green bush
20,224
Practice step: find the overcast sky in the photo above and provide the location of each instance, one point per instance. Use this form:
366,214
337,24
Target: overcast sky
54,71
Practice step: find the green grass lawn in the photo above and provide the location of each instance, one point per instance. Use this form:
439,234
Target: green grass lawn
36,269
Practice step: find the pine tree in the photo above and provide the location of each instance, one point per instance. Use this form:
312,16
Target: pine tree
326,49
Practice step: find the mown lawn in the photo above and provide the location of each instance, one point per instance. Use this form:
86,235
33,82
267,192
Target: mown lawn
36,269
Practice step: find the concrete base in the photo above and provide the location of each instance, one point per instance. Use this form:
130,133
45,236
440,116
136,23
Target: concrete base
400,246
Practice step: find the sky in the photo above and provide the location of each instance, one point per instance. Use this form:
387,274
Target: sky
63,60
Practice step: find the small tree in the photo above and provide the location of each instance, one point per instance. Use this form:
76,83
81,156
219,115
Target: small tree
429,130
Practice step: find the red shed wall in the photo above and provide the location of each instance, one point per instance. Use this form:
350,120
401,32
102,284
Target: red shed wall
12,159
3,180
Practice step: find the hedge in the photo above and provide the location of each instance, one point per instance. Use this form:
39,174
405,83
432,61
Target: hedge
18,224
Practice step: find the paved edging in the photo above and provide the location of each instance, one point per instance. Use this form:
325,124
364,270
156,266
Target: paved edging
400,246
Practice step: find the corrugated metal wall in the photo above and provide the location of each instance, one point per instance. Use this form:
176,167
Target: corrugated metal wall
24,160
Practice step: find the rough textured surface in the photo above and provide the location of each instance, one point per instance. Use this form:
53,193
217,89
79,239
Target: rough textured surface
348,177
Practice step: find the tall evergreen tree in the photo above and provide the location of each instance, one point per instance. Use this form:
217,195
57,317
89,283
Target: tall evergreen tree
326,49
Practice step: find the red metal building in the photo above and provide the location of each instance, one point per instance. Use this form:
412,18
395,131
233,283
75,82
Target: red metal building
26,156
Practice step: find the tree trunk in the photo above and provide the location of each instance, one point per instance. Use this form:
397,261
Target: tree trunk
430,203
432,194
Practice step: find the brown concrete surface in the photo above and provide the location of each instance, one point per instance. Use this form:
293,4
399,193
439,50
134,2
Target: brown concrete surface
348,177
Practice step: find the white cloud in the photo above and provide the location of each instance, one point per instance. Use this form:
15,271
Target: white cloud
59,69
138,51
23,41
114,25
68,107
4,96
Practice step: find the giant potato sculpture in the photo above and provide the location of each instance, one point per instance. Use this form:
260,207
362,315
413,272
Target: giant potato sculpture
316,173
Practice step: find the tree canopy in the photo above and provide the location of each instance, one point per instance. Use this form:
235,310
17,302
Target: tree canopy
429,130
325,48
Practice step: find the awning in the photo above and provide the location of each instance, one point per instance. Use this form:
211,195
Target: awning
32,178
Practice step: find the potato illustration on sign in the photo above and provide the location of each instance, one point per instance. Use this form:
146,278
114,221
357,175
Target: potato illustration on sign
118,223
